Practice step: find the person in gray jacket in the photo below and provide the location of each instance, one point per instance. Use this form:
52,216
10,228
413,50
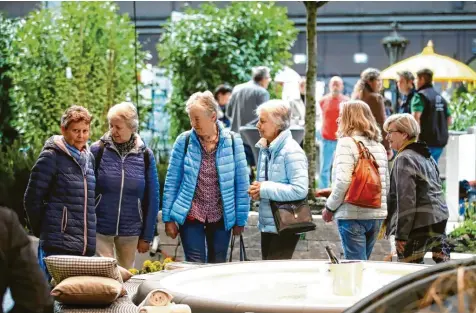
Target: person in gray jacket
417,211
244,100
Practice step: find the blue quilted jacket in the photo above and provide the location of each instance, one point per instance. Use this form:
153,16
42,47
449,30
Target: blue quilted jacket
127,196
182,176
59,201
287,175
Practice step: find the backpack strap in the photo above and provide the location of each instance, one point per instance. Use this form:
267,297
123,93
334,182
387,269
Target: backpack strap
146,160
98,158
187,141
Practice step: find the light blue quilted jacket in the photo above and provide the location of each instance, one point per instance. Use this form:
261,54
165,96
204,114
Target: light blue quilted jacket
182,176
287,176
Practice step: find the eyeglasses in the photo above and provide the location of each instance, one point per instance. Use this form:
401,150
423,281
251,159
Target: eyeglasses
390,131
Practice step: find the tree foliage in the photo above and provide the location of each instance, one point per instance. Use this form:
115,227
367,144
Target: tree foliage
210,46
7,33
463,110
88,40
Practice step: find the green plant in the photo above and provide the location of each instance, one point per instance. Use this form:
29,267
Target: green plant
7,33
16,161
463,110
463,238
81,53
210,46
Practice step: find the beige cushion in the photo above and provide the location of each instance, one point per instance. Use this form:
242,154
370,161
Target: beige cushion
87,290
65,266
125,274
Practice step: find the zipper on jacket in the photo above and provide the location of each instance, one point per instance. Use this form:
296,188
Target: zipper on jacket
221,193
85,219
64,220
139,208
122,187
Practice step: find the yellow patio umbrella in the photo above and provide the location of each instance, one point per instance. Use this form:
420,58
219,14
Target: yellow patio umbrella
445,69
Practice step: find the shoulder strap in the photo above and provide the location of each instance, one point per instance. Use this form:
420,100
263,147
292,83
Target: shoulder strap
232,142
98,158
187,141
146,159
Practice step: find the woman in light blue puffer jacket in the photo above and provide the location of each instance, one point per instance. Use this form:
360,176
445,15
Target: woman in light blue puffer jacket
205,190
287,176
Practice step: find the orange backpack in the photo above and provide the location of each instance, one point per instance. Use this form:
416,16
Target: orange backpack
365,189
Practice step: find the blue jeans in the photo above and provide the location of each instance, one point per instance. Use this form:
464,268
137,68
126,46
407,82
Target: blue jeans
358,237
41,255
436,153
326,157
205,242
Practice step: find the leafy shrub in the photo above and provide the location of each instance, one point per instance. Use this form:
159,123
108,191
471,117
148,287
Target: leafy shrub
463,110
81,53
210,46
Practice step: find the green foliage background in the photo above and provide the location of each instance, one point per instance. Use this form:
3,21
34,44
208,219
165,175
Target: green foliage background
212,45
91,39
7,34
463,110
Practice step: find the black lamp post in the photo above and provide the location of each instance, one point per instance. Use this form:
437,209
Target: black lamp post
394,45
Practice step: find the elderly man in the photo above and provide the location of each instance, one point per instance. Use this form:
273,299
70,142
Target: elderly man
244,101
330,105
431,111
407,89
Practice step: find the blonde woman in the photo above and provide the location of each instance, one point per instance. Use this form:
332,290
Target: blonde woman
358,226
416,204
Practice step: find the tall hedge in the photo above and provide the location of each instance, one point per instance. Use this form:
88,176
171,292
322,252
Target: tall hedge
210,46
80,53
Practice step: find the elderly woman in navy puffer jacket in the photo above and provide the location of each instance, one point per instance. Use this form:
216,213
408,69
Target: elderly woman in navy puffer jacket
127,189
59,198
206,186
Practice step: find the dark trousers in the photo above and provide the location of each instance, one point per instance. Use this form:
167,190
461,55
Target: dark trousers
205,242
278,247
424,239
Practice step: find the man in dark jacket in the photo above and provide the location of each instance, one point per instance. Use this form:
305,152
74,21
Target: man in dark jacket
407,90
59,199
19,270
244,100
431,111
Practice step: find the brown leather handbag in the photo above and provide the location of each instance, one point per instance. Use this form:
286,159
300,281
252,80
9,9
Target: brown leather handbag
291,217
365,189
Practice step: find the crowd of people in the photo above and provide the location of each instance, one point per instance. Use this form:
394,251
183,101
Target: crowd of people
104,199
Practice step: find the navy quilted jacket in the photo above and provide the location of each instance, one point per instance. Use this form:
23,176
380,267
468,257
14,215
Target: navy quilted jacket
182,177
59,201
128,196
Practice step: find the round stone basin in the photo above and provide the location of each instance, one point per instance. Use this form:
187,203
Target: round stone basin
274,286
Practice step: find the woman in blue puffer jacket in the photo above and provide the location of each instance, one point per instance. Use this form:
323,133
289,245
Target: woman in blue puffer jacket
287,178
205,190
127,189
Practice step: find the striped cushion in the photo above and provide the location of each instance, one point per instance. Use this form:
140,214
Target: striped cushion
64,266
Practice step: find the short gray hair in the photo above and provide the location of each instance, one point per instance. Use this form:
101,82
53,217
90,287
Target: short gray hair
259,73
407,75
128,112
206,99
279,112
404,123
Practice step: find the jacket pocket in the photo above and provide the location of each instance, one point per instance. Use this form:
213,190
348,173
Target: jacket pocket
64,219
139,208
98,200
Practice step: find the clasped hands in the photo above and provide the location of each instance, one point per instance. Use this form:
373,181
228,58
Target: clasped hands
254,190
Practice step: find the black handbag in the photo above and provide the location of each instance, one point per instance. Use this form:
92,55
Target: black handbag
242,249
291,217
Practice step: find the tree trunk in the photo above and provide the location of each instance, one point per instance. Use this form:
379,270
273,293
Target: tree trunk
311,74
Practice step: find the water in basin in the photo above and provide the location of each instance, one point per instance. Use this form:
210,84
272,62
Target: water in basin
300,282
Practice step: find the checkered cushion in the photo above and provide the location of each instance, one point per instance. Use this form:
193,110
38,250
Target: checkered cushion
64,266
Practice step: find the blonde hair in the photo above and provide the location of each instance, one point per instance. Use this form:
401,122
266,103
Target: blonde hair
404,123
205,99
75,114
357,117
128,112
279,112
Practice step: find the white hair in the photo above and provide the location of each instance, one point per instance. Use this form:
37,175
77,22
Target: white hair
206,99
128,112
279,112
404,123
